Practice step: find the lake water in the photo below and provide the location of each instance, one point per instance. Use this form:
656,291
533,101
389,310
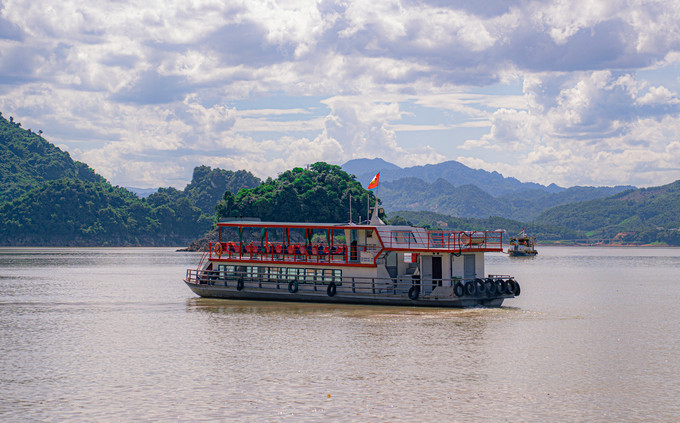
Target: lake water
114,335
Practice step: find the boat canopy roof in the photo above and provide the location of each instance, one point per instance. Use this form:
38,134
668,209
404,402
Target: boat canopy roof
260,224
395,237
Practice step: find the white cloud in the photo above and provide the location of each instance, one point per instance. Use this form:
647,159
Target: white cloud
659,95
125,84
596,127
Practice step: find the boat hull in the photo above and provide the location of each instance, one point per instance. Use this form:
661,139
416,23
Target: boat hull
513,253
259,294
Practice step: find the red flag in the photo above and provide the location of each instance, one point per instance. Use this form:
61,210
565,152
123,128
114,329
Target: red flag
374,183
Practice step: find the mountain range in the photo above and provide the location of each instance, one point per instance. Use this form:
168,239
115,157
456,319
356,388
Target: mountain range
46,198
454,189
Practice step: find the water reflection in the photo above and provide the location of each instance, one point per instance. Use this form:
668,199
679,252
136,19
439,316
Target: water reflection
222,306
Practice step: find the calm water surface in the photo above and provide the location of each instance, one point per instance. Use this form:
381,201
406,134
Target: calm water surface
114,335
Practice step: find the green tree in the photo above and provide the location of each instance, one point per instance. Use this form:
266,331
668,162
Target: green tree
320,193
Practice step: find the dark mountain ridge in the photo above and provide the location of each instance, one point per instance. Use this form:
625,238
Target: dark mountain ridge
471,201
454,172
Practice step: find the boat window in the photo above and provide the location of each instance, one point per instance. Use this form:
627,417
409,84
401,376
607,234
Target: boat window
318,275
249,272
337,275
292,273
226,271
223,271
309,275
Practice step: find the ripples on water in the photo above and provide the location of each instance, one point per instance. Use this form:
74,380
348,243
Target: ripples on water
114,335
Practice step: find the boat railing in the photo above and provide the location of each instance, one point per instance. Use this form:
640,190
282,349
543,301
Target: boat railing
294,252
204,257
443,240
244,280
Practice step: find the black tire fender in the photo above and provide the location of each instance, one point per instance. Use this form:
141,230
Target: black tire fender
413,292
293,286
490,287
502,286
470,288
458,289
479,284
332,289
511,286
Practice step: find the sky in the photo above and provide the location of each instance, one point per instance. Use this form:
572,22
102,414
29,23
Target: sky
581,92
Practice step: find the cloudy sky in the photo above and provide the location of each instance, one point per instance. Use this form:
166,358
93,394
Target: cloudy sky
576,92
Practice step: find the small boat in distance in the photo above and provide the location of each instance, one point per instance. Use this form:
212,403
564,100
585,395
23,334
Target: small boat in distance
522,245
370,263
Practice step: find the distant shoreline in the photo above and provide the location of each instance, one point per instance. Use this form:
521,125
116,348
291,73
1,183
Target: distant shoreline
597,244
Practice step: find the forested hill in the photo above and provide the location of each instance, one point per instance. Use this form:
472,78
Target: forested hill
49,199
645,215
27,161
470,201
544,232
321,193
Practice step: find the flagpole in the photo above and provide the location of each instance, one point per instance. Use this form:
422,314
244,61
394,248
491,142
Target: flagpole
350,208
368,207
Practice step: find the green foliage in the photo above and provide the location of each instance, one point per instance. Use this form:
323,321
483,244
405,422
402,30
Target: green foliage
318,194
442,196
441,221
76,212
208,186
27,161
48,199
637,216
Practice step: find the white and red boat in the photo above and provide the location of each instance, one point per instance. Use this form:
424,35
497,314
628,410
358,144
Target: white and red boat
369,263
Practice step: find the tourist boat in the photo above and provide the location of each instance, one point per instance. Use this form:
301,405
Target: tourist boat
522,245
370,263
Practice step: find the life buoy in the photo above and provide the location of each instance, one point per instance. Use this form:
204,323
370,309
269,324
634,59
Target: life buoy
414,292
470,288
239,284
458,289
331,290
293,286
218,249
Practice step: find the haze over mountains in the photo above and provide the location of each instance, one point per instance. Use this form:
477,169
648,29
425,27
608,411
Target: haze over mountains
457,190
